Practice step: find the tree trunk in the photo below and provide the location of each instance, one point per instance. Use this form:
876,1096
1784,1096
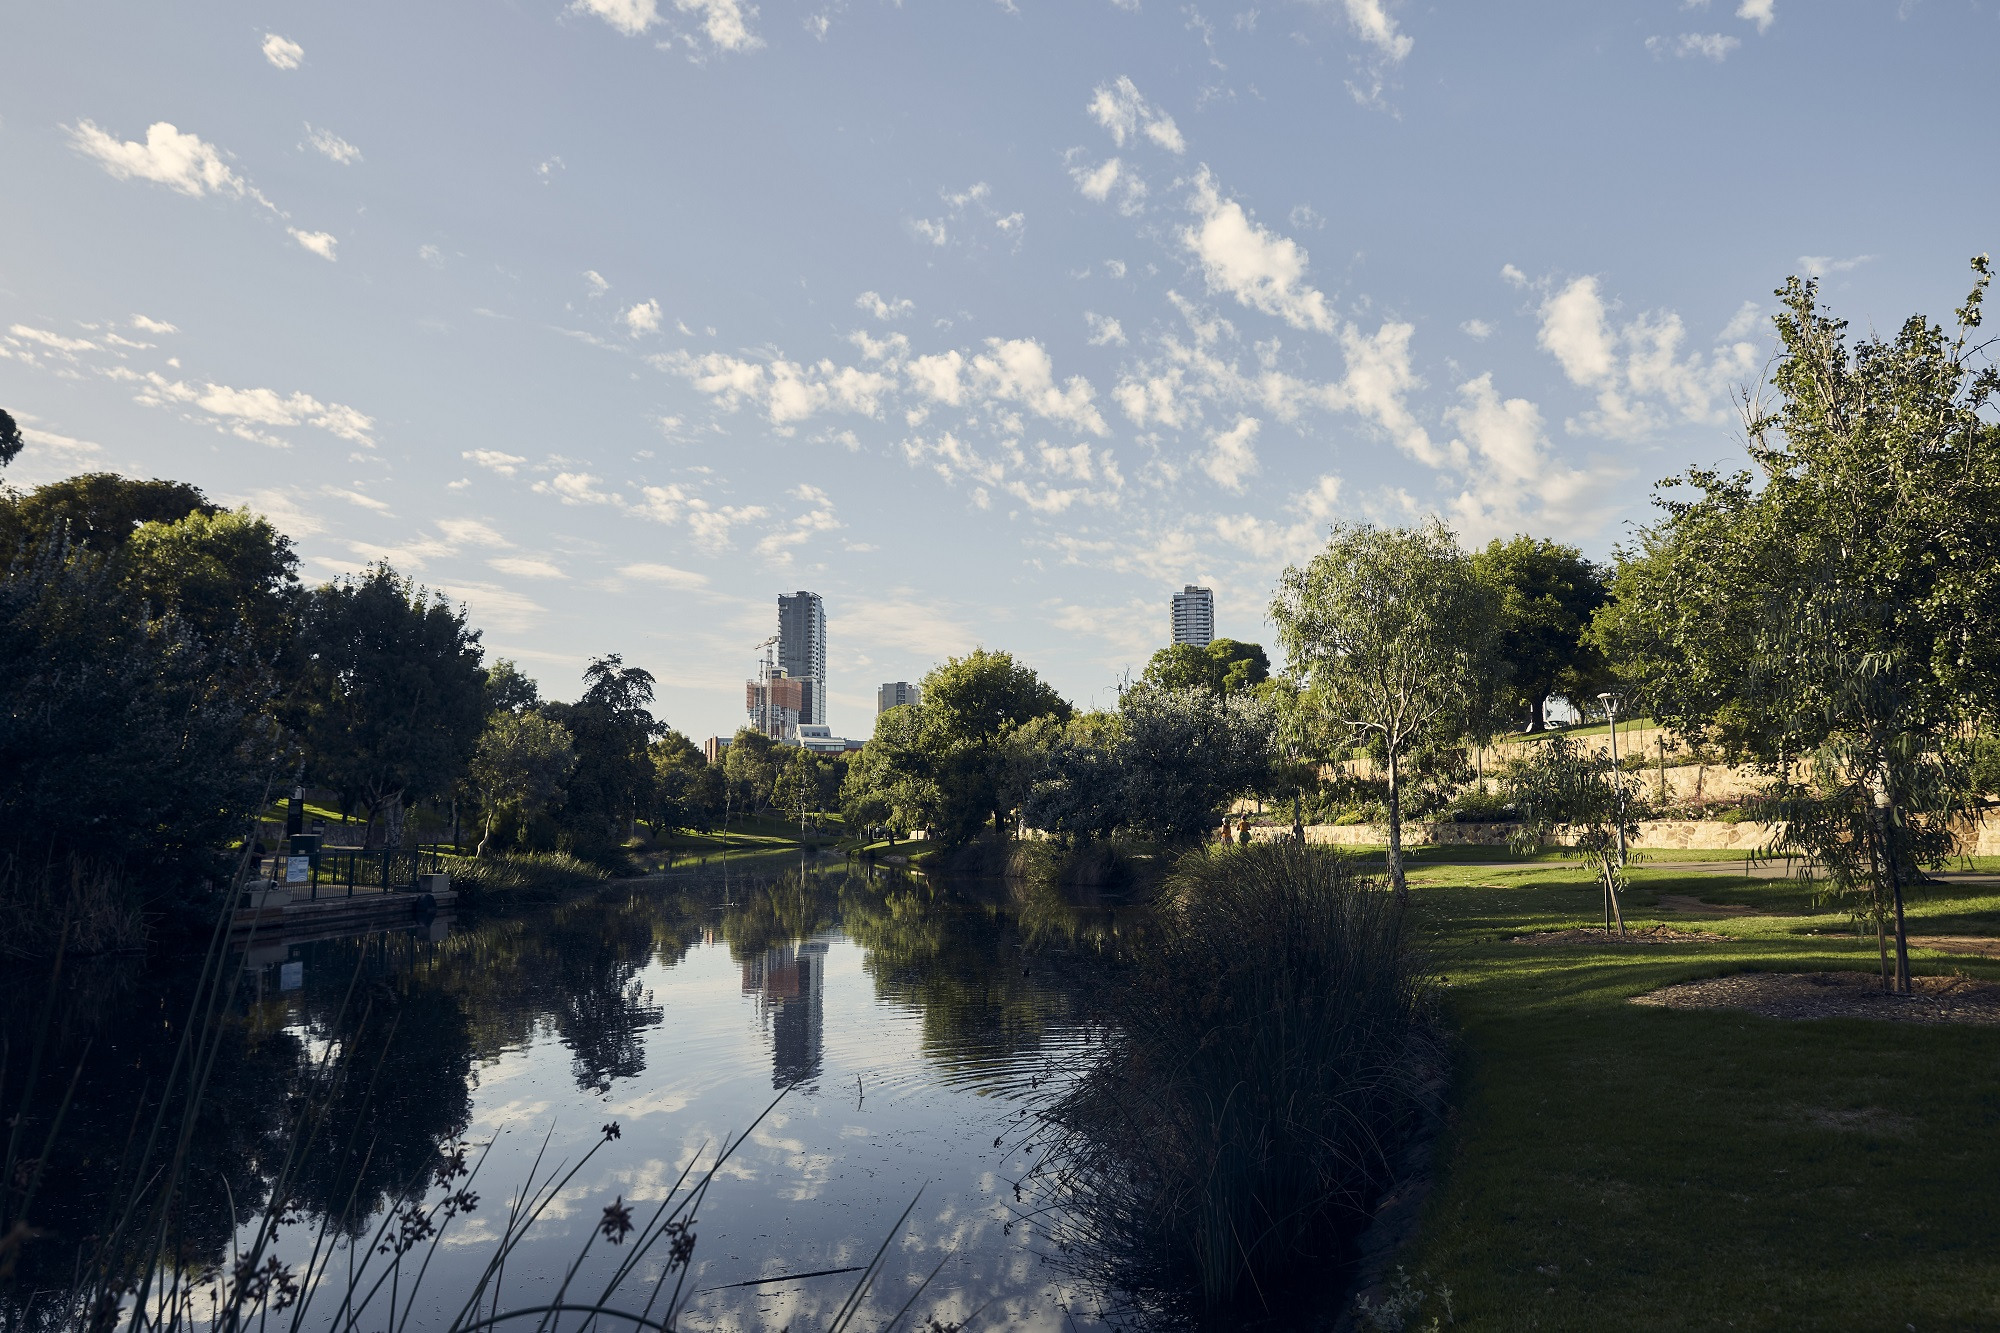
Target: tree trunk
1612,909
1892,888
486,836
1538,715
393,836
1396,879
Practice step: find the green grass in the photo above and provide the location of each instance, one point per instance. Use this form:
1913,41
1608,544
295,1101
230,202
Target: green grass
1618,1166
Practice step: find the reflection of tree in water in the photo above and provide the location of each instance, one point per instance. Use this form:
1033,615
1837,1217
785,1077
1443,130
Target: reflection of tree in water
602,1009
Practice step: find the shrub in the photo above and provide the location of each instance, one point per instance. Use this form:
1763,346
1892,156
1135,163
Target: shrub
1273,1047
510,875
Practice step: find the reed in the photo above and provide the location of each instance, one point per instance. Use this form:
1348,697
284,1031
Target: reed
1271,1052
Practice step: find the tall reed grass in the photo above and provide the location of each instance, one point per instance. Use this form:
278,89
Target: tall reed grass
521,876
1272,1050
71,903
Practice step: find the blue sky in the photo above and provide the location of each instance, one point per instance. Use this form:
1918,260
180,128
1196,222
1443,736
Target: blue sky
993,321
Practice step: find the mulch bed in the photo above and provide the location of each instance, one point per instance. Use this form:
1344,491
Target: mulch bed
1806,995
1635,935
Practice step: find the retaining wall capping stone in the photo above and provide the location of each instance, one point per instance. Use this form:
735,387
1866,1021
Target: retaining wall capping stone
1654,835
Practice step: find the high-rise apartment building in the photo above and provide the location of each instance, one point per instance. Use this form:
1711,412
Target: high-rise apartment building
1194,616
894,694
802,649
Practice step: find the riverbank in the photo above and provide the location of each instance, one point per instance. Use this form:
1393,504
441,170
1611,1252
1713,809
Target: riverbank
1613,1165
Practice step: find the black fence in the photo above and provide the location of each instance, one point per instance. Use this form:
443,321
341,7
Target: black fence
333,872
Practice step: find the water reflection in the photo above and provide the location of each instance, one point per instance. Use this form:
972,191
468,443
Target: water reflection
904,1016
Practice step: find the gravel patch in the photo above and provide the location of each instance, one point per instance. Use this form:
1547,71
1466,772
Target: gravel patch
1807,995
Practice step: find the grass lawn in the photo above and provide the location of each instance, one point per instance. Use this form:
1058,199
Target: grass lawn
1612,1166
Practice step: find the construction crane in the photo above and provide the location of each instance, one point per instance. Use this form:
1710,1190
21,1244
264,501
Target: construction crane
765,666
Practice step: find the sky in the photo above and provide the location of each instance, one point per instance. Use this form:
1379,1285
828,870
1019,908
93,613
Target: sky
994,322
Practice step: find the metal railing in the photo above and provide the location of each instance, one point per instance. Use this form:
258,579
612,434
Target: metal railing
334,872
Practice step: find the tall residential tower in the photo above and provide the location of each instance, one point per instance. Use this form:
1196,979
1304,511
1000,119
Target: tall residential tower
802,649
1194,616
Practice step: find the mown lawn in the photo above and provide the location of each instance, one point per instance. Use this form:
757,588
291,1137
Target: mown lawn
1613,1166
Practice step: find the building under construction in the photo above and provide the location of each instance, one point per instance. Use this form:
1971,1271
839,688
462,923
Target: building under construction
790,686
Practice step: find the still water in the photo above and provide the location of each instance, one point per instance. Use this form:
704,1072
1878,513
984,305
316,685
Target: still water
902,1027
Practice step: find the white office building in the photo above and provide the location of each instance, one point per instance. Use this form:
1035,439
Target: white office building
1194,616
894,694
802,649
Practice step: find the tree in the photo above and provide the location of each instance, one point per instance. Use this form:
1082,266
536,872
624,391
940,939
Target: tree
1839,622
612,728
100,510
1224,666
1561,787
686,790
10,439
222,573
507,690
521,763
388,694
1388,633
751,767
1547,593
968,710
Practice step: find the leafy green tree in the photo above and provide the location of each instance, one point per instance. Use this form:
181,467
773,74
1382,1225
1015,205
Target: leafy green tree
1547,593
612,728
969,709
222,573
1560,787
751,766
1837,616
10,439
687,792
99,510
388,694
1388,633
125,739
1224,666
521,763
508,690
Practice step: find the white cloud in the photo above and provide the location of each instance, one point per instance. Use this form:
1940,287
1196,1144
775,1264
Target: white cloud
1818,266
575,488
1120,109
55,342
333,146
630,17
1513,276
1232,455
787,391
431,255
472,532
526,567
496,607
1379,376
357,498
1371,22
495,461
1477,329
182,162
708,523
1104,330
66,446
1708,46
818,517
260,407
1108,178
598,286
152,325
933,232
642,318
873,303
1763,13
320,243
282,53
1515,482
1260,268
667,574
1637,369
1019,370
724,22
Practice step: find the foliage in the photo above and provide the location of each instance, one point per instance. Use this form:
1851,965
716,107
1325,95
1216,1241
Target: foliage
508,876
388,694
125,740
687,790
1547,593
508,690
219,572
1268,1055
1223,665
1163,768
750,764
1561,788
611,728
1844,614
74,905
96,510
1389,634
521,763
10,438
966,756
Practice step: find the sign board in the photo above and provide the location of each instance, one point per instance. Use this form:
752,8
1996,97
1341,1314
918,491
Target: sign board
291,976
298,869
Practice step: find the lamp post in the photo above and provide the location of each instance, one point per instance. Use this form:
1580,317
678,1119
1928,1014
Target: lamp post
1610,702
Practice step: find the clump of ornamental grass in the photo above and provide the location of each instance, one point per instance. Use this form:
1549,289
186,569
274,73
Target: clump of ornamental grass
522,875
71,903
1271,1052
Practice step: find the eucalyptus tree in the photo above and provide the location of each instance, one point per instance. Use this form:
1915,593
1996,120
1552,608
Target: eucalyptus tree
1389,635
521,763
1561,788
1835,614
1547,593
11,442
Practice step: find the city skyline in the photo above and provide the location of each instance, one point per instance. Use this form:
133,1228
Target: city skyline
987,321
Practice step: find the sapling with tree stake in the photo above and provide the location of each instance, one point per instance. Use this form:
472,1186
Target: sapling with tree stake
1562,788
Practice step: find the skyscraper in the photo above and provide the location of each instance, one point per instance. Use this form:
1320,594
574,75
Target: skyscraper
894,694
802,649
1194,616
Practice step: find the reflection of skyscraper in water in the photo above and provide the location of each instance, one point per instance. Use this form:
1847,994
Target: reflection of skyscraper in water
789,981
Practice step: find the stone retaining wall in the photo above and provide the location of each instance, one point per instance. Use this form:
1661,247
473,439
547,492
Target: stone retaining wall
1654,835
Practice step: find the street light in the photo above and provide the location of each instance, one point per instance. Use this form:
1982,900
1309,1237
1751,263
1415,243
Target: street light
1610,702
